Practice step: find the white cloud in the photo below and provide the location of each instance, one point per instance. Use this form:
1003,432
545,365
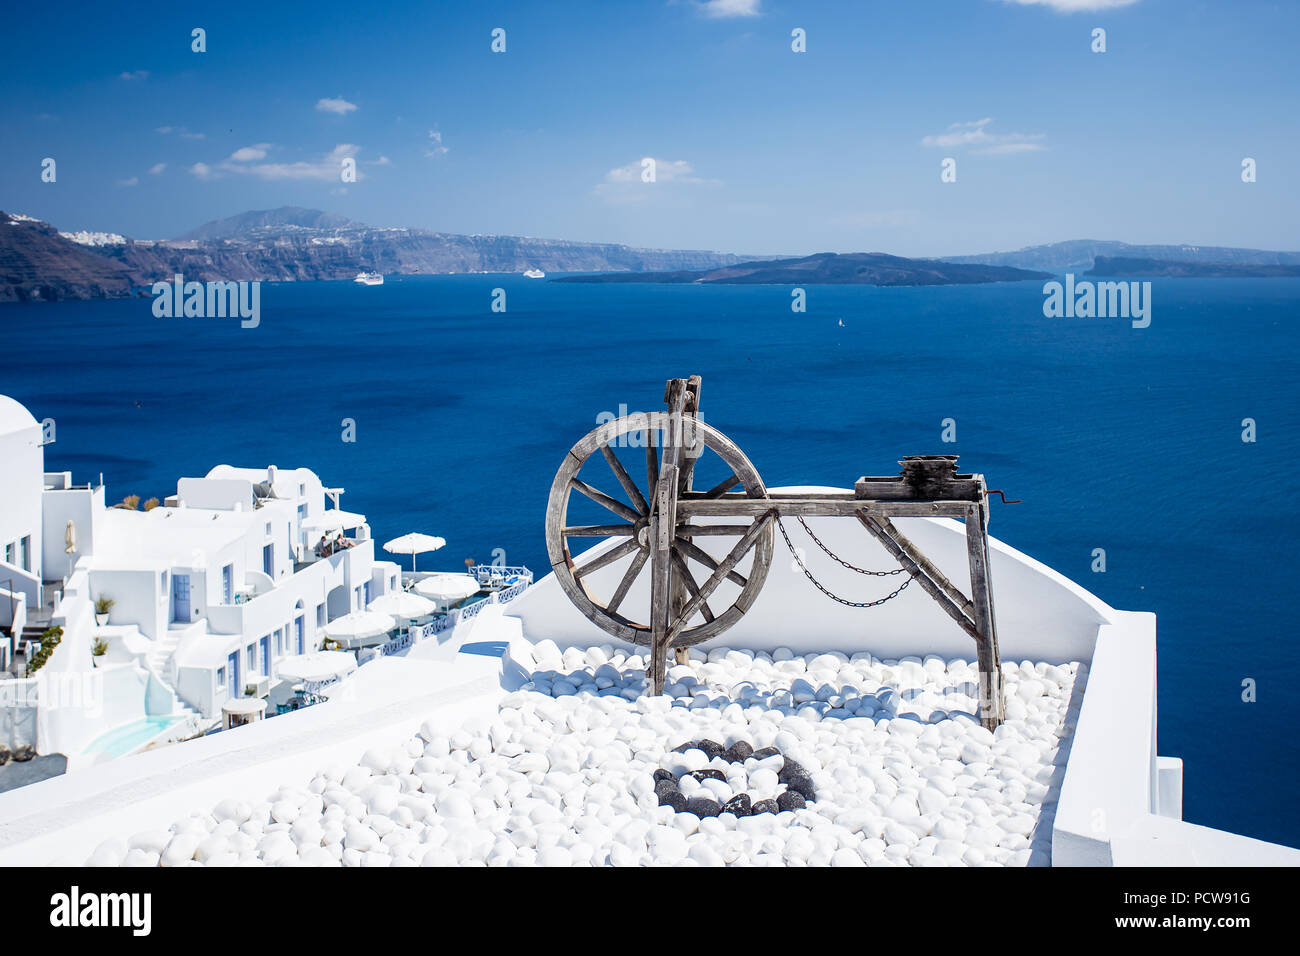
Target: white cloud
247,154
624,183
335,105
157,168
381,161
179,130
133,181
666,171
134,75
720,9
435,147
325,169
976,135
1075,6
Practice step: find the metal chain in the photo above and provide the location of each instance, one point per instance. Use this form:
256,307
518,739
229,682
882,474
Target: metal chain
836,557
835,597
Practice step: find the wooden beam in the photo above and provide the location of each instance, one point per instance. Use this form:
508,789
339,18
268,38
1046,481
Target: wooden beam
807,506
953,602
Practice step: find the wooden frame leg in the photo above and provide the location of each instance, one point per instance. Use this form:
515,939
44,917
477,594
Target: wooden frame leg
992,695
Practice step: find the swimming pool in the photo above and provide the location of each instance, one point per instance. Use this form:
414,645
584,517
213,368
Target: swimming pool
122,740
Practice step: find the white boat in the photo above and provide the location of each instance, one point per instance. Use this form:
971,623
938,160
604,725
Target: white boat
370,278
534,274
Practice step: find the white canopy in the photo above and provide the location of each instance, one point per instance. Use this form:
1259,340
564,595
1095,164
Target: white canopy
447,588
334,520
413,544
317,666
403,605
359,628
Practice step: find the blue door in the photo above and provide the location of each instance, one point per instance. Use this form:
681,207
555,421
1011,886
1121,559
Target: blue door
232,674
298,632
227,583
181,597
266,655
268,560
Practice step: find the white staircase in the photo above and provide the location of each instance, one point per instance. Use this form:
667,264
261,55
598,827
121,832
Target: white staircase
158,661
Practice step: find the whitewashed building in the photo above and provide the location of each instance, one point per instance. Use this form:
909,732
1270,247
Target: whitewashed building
209,591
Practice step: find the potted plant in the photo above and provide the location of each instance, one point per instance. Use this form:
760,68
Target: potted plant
102,607
97,650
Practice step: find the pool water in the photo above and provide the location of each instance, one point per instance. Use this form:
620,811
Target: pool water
124,739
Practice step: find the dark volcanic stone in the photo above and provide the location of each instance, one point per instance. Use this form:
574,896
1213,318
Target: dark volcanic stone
738,752
766,752
796,778
703,807
739,805
765,806
708,773
682,748
791,800
671,797
662,774
711,748
803,786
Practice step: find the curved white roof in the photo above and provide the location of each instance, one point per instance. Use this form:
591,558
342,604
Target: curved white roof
14,416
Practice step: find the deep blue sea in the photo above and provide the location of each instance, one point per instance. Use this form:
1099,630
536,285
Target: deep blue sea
1117,438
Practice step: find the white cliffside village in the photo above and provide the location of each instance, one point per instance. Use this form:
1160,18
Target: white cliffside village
210,591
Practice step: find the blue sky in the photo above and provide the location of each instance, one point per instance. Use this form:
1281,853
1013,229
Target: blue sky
759,149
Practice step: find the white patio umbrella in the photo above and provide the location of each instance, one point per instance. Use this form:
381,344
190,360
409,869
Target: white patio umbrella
447,589
413,544
317,666
334,520
403,605
359,628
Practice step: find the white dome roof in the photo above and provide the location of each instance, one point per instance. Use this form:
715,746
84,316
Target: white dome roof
14,416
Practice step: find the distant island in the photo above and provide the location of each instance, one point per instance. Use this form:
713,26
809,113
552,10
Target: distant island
828,268
1122,266
290,244
1079,255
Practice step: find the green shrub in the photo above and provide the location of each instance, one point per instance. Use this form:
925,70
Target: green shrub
49,641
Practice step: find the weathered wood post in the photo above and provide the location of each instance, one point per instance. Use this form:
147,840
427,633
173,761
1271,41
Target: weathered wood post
663,527
992,700
691,450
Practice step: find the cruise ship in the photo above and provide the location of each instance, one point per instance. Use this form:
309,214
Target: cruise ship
534,274
370,278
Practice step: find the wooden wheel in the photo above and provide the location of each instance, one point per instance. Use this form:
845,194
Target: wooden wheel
708,566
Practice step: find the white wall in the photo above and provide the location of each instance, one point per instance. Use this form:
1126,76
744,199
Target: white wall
81,506
22,470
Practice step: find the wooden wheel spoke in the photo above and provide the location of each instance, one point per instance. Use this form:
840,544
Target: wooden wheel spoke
608,558
651,468
691,550
633,492
680,564
628,577
613,504
721,488
723,570
597,530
